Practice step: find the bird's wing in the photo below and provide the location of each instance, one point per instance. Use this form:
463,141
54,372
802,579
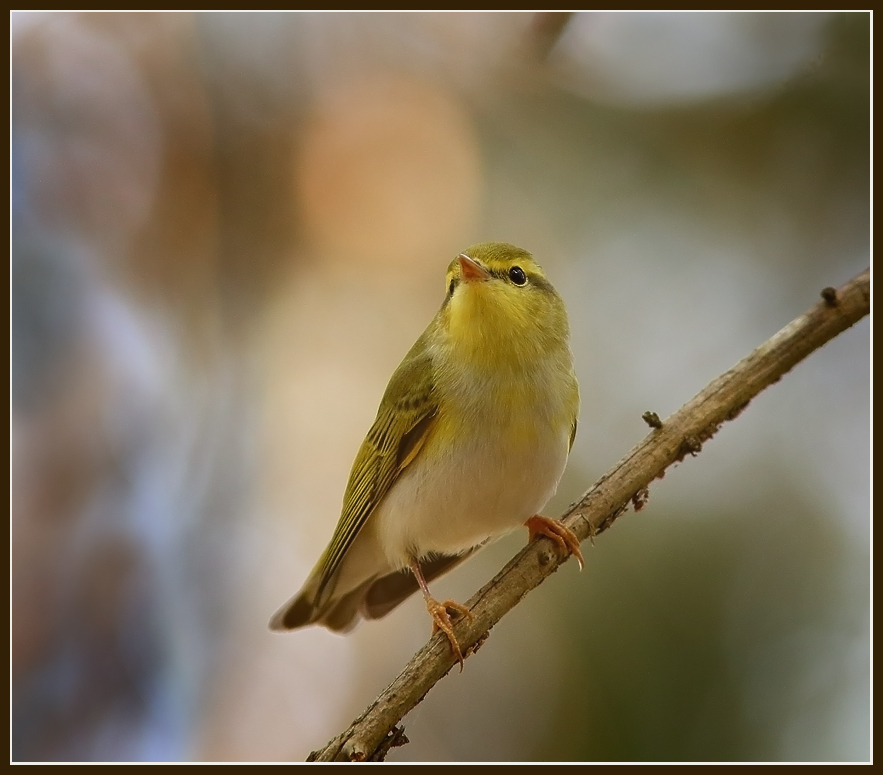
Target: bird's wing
404,420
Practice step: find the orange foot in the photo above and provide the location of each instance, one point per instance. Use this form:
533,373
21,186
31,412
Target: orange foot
441,621
558,532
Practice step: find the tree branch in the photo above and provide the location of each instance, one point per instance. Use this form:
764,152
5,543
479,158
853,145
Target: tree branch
372,734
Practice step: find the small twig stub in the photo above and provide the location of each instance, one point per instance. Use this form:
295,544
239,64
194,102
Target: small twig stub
652,419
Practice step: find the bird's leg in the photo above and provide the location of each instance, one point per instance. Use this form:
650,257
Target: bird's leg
441,619
558,532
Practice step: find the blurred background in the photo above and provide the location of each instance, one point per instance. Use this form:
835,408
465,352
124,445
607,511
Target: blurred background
227,230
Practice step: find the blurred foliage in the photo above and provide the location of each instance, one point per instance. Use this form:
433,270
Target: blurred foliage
696,635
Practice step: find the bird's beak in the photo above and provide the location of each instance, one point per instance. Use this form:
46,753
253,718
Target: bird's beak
471,270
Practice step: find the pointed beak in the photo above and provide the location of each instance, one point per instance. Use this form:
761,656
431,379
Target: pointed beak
471,270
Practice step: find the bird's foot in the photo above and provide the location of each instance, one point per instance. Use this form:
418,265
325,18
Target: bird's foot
558,532
441,622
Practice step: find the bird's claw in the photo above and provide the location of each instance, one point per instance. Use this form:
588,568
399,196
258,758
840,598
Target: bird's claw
441,622
558,532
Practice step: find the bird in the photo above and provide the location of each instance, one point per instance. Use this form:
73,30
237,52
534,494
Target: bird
470,441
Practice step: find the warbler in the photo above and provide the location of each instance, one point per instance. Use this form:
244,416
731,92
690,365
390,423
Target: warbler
470,441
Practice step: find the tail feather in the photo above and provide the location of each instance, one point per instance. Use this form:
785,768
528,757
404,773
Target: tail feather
344,613
373,599
388,592
297,612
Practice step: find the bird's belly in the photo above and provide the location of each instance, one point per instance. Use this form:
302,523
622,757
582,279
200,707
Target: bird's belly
446,503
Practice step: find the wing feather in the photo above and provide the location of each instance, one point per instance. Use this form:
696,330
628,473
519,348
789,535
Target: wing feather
404,421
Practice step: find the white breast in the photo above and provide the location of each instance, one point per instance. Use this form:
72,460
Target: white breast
476,487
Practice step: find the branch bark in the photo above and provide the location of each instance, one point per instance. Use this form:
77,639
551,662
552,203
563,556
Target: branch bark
372,734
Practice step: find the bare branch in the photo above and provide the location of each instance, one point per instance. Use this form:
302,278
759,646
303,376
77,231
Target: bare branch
682,434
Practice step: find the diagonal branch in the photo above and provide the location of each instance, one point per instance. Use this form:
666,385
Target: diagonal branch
372,734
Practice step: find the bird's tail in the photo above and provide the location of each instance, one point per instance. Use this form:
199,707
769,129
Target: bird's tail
372,599
338,613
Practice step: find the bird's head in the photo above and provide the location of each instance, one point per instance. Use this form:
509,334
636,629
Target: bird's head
500,307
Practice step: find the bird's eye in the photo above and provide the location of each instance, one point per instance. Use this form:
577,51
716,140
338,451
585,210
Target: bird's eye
517,276
451,286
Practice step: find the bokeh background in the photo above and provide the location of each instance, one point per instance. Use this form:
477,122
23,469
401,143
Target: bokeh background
227,229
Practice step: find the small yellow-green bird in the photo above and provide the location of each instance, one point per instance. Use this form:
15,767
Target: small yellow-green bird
471,438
